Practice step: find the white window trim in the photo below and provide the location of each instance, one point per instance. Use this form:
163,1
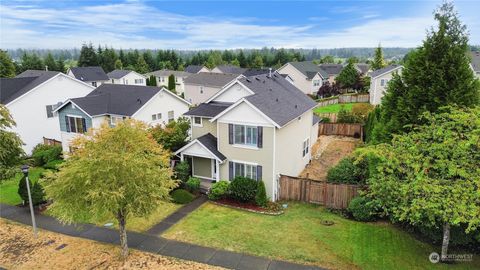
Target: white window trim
195,124
245,145
250,147
78,117
307,148
115,116
245,163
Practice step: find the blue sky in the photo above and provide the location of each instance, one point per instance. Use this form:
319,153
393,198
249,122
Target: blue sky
222,24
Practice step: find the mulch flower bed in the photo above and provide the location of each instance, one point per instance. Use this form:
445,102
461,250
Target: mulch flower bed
250,207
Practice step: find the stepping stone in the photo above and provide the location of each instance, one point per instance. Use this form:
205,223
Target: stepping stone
226,259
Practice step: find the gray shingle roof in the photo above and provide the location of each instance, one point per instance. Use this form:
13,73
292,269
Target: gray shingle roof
255,71
208,109
331,69
231,69
12,88
210,79
89,74
381,71
362,67
210,142
193,68
116,99
118,73
168,72
309,69
277,98
475,61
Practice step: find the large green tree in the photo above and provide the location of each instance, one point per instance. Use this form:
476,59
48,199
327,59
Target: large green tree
173,135
378,61
141,66
31,61
119,172
7,68
171,83
431,176
435,75
349,76
50,62
88,56
11,151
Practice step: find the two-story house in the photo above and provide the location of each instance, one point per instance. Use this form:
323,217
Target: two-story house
162,78
91,75
123,76
475,62
111,103
258,127
196,69
201,86
32,96
332,70
306,76
379,80
228,69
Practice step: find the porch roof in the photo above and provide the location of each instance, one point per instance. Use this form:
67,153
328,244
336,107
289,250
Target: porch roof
204,146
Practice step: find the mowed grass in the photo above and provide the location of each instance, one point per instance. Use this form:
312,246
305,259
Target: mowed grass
9,188
334,108
298,236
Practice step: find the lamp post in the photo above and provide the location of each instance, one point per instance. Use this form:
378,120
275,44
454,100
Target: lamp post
34,224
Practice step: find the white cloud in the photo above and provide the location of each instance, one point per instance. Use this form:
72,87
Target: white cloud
134,24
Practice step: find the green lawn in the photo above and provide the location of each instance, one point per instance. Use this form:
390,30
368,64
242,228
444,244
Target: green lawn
334,108
298,236
9,187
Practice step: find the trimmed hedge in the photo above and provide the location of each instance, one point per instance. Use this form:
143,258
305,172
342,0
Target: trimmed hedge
219,190
193,184
243,189
363,209
261,196
346,172
182,196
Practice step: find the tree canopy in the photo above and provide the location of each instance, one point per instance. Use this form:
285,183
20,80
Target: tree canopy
115,172
378,61
7,68
174,135
11,151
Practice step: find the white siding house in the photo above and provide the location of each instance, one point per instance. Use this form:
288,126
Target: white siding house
129,77
379,80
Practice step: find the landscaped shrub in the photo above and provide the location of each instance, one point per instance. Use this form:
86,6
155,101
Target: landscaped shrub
219,190
43,154
182,196
182,171
261,196
38,194
345,116
243,189
193,184
363,209
346,172
53,165
22,189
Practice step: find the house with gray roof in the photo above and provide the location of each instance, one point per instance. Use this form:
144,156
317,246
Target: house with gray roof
379,81
196,69
306,75
332,70
475,62
201,86
124,76
91,75
112,103
32,96
163,75
257,127
228,69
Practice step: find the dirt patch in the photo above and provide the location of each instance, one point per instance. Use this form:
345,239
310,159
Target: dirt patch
19,250
327,152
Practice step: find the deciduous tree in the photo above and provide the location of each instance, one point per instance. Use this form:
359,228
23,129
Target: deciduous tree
11,151
173,135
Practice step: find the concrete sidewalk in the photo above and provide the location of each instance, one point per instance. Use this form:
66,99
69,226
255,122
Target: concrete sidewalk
151,243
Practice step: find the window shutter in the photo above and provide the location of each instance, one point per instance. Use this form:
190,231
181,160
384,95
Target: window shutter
230,170
230,133
259,137
259,172
67,123
84,124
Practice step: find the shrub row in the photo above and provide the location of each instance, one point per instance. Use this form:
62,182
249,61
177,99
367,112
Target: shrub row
43,154
241,189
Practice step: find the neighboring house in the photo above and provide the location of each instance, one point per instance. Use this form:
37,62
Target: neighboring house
230,69
332,70
111,103
379,80
475,63
306,76
196,69
32,97
258,127
91,75
362,68
122,76
200,87
256,71
162,78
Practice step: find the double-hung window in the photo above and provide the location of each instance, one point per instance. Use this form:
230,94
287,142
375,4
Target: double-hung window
316,83
306,147
245,135
171,117
245,170
197,121
75,124
138,81
115,119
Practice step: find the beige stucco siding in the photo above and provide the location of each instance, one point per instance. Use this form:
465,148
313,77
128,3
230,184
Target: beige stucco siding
299,79
202,167
260,156
207,127
197,94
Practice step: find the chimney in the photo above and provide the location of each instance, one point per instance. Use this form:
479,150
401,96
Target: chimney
46,68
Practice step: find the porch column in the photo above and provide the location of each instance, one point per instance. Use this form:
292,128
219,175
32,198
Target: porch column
217,174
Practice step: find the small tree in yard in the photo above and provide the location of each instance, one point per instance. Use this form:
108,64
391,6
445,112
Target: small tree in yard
173,135
171,83
11,151
430,177
116,172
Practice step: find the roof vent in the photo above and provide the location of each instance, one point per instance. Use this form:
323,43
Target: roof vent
256,78
139,101
277,99
296,106
248,80
270,89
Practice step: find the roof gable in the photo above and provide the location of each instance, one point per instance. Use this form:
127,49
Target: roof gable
204,146
210,79
118,73
88,74
309,69
384,70
13,88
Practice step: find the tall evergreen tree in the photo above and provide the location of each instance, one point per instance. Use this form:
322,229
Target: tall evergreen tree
118,64
32,61
378,61
171,83
60,64
141,66
435,75
7,68
88,56
349,76
50,62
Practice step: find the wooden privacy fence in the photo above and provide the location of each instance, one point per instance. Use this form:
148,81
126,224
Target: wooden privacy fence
356,98
341,129
331,116
331,195
54,142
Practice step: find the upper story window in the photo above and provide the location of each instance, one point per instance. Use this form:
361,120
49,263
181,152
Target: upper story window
75,124
115,119
316,82
383,82
247,135
171,116
138,81
156,116
197,121
306,147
